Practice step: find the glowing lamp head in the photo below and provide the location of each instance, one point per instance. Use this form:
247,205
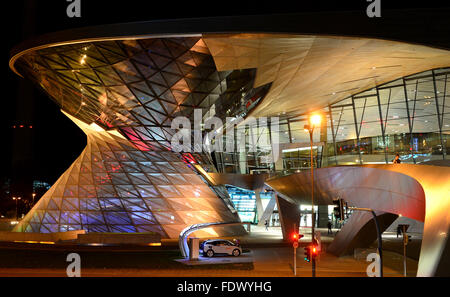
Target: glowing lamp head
295,236
315,120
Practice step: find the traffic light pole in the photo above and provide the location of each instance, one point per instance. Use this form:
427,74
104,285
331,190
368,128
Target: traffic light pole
313,260
295,261
404,254
405,243
296,237
380,244
295,252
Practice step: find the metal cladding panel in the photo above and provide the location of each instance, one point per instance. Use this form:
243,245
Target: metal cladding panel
420,192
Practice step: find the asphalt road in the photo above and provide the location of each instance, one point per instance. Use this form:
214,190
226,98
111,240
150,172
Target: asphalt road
268,260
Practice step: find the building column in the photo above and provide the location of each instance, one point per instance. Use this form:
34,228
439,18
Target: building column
289,216
242,157
324,140
259,206
269,210
322,216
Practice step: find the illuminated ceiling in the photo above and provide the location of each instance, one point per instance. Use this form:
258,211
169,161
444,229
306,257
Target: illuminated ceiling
310,72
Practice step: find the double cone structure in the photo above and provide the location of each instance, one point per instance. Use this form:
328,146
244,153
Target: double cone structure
124,95
115,187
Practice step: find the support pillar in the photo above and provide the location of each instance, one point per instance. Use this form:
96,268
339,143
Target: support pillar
259,206
268,211
289,215
322,216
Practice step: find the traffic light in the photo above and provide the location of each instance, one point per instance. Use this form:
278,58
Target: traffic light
314,251
339,209
311,252
296,236
307,254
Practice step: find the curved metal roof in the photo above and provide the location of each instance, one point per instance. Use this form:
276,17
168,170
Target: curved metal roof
400,25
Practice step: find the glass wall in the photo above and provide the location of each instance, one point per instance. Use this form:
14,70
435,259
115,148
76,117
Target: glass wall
245,203
409,116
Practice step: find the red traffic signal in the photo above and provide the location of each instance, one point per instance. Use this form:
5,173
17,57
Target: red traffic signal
314,251
296,237
311,252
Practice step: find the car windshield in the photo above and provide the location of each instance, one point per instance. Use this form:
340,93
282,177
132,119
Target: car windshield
220,243
213,242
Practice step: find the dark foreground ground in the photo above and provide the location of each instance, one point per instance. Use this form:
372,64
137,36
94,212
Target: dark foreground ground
42,256
276,259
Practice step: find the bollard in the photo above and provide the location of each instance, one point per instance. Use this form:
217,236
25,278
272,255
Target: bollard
193,248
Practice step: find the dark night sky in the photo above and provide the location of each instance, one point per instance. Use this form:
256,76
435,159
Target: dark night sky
56,140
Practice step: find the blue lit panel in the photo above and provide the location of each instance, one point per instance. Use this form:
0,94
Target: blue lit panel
245,203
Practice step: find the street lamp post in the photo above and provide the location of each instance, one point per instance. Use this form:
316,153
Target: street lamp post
314,120
33,195
17,200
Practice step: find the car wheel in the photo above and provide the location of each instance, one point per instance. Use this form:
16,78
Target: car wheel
236,252
210,253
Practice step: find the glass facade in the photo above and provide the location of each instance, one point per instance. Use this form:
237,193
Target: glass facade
115,187
245,203
139,86
135,88
409,116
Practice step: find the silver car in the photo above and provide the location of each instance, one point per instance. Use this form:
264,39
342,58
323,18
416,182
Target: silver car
220,247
